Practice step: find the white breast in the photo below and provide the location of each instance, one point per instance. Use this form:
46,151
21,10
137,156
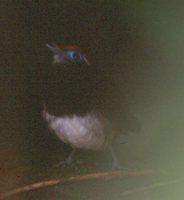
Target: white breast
85,132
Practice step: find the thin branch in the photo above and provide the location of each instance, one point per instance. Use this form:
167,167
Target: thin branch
149,187
100,175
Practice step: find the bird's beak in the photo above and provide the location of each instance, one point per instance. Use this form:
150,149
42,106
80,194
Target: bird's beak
59,54
54,48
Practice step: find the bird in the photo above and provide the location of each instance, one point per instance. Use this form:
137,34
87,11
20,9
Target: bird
76,103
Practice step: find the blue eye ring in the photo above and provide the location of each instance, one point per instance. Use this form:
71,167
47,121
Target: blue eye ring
73,55
76,56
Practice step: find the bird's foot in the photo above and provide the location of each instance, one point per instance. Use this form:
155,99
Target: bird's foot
69,162
115,165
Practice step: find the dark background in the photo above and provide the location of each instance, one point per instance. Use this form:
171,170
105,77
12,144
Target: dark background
141,43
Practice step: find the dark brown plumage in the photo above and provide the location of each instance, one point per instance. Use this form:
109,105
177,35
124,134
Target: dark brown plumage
76,102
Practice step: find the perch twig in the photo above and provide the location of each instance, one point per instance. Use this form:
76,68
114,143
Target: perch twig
149,187
47,183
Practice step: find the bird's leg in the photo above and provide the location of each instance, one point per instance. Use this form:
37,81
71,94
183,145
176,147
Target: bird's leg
69,160
115,162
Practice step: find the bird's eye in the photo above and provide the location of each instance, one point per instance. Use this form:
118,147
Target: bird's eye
73,55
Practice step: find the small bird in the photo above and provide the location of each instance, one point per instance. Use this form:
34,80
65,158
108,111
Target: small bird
75,103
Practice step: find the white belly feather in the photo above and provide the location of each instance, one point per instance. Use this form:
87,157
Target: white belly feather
85,132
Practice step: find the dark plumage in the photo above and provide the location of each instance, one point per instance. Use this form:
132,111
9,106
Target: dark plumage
77,105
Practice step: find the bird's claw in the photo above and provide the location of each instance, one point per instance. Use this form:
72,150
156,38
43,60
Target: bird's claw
115,165
69,162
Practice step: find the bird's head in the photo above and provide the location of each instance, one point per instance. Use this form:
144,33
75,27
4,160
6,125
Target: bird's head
67,55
